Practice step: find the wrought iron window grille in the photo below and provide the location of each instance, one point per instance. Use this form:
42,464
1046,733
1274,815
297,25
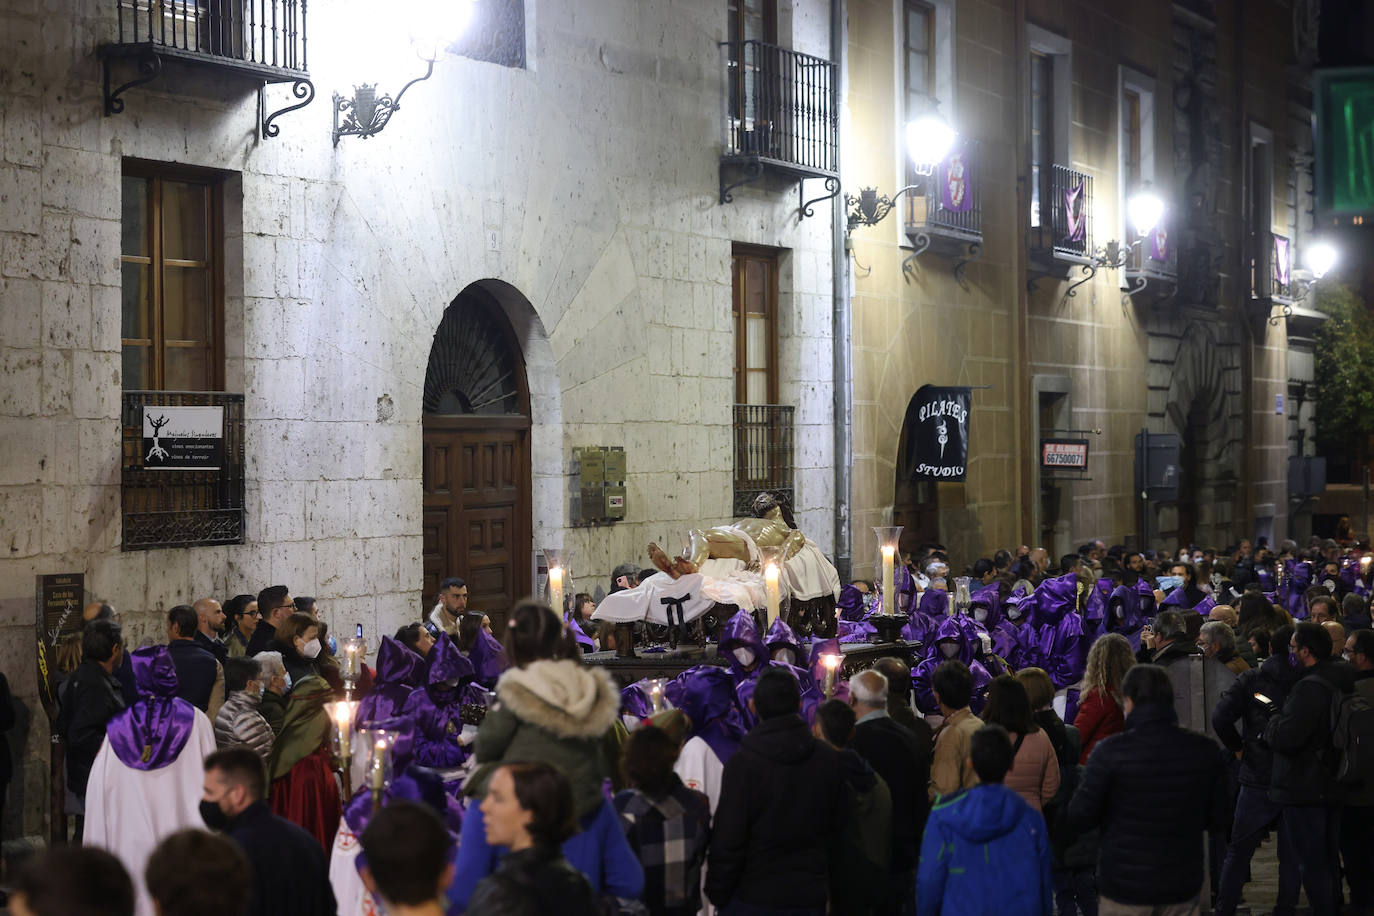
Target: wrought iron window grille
181,508
260,41
1066,238
763,454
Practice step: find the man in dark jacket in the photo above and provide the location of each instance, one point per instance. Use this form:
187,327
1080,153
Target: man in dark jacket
200,679
1153,789
275,605
90,698
779,813
209,621
290,872
1256,814
862,885
1302,783
1357,820
904,765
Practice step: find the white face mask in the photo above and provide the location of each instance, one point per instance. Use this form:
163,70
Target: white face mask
949,649
744,655
785,655
1013,612
311,649
980,614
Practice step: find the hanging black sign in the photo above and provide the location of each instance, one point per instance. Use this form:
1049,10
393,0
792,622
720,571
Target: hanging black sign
937,433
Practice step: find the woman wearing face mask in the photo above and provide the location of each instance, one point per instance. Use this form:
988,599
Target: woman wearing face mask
550,708
301,767
240,720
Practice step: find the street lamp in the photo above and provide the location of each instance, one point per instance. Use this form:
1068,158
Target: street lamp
438,24
1320,258
928,140
1145,210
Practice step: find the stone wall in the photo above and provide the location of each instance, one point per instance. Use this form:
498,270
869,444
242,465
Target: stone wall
585,182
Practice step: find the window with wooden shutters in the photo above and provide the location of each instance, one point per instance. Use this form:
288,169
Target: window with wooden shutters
763,427
919,79
172,261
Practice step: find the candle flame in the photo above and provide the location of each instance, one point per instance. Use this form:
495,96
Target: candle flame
832,661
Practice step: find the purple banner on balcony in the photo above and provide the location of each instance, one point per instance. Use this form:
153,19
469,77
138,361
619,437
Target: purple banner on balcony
1281,264
1159,244
1074,199
956,193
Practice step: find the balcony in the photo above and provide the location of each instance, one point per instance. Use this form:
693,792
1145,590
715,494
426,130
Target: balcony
763,453
779,117
946,215
176,505
1271,270
257,41
1151,269
1062,232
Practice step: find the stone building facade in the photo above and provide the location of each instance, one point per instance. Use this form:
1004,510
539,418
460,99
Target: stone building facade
1206,103
563,207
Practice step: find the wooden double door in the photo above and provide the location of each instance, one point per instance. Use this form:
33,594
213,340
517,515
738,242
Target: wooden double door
477,510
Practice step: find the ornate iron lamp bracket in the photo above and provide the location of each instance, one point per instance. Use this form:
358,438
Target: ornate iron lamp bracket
366,113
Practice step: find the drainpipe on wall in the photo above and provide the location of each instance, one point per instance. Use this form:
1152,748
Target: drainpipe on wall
841,329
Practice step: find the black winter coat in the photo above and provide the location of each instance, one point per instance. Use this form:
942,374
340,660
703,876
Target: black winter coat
290,870
1273,679
533,882
90,698
197,671
780,811
898,757
1300,735
1153,789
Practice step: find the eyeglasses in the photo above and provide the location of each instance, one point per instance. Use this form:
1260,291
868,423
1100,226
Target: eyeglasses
253,613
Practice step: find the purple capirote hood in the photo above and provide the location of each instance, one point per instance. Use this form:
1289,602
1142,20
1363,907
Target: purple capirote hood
446,663
398,665
150,734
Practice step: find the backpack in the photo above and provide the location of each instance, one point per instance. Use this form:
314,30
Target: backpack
1352,737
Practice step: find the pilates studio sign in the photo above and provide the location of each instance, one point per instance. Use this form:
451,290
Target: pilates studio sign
937,428
183,438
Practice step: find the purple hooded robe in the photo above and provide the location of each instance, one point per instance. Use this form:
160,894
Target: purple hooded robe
437,707
399,672
948,631
151,733
1054,639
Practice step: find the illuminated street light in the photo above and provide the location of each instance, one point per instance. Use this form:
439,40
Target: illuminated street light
1145,210
928,140
1321,257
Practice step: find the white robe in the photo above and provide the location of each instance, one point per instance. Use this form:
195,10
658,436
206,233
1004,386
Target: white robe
700,769
129,811
354,899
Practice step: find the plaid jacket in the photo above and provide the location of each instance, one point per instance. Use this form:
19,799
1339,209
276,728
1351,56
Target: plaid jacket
669,835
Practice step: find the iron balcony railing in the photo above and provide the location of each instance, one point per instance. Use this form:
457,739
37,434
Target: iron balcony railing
1155,255
268,33
763,452
1070,210
182,508
951,203
780,107
1271,267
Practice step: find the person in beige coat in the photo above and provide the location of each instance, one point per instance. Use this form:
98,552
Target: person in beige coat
952,684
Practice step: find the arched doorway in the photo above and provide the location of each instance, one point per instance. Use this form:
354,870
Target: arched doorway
476,462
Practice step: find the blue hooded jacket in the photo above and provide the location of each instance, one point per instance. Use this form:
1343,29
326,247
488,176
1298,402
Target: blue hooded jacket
985,851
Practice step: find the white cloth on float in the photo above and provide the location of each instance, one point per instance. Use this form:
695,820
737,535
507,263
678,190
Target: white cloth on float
353,897
809,575
646,600
129,811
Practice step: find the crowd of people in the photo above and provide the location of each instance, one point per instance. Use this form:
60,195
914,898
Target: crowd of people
1115,734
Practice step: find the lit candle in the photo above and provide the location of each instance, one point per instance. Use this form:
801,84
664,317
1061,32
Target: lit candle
831,663
656,697
890,605
770,587
556,588
378,773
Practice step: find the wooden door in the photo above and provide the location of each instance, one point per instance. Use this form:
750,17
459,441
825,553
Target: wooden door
477,510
